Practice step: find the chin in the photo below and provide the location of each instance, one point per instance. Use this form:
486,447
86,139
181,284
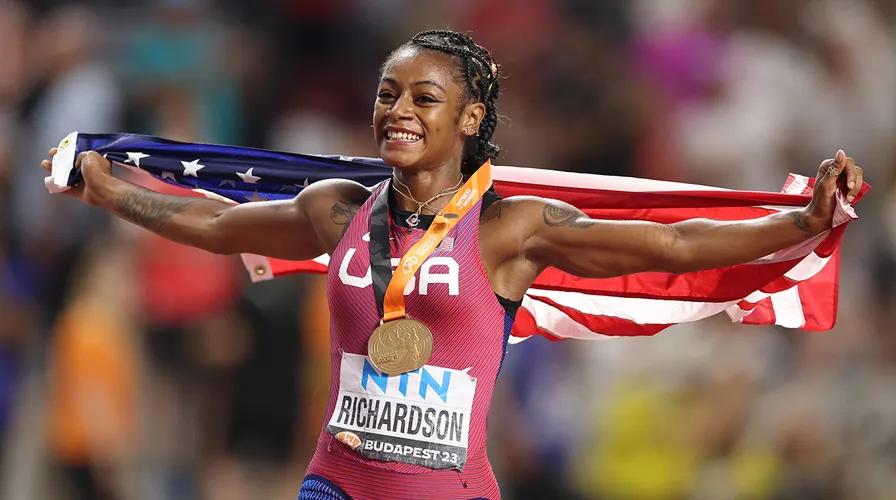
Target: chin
399,159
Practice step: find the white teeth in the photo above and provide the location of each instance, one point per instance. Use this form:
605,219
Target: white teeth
403,136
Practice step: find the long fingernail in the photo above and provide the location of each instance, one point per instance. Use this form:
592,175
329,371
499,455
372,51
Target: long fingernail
840,155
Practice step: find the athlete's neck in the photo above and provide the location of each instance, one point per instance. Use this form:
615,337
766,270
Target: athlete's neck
425,184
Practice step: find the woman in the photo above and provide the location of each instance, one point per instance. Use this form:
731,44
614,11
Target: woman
415,353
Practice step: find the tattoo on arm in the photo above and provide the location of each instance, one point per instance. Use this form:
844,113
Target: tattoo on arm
560,214
152,210
342,214
491,213
801,221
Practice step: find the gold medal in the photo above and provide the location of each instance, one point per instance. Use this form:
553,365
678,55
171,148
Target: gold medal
400,346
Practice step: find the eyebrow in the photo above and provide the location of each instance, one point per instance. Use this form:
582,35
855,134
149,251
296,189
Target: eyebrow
421,82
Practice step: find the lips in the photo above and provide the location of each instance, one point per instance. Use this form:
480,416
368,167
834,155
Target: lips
402,136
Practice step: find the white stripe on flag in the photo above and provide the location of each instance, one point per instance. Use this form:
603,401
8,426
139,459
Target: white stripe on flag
637,310
556,322
803,249
757,296
808,267
737,314
210,195
788,308
537,176
798,184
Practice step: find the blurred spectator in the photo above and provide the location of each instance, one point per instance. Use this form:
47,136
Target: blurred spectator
261,414
852,99
70,89
542,412
94,369
183,58
183,294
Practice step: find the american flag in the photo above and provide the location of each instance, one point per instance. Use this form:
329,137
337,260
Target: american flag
795,288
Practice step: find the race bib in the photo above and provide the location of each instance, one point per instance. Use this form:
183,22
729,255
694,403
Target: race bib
420,417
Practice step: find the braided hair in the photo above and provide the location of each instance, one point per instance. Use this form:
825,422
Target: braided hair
479,75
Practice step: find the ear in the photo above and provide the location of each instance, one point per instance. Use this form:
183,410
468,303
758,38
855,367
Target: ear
472,116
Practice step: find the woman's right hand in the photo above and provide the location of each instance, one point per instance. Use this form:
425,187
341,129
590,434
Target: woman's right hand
95,172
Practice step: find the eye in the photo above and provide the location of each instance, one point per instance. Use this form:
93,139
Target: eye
427,99
385,95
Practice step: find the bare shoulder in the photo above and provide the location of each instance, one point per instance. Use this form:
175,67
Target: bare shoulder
321,196
331,205
506,225
505,229
529,213
501,209
512,227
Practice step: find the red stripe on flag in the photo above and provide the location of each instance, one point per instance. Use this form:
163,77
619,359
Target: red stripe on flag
672,215
587,198
820,296
524,326
606,325
763,313
714,285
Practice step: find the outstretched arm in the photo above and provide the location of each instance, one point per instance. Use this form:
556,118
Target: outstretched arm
561,236
301,228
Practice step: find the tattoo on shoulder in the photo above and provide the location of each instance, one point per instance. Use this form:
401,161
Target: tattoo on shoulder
801,221
561,214
152,210
491,213
342,213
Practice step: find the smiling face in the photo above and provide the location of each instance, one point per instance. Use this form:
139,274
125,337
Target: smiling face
422,110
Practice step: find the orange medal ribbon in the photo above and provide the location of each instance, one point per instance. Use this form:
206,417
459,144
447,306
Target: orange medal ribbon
461,204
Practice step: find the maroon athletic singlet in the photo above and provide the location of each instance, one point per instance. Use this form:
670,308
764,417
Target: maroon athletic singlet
427,429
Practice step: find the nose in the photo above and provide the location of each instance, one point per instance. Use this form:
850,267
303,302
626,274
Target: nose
402,109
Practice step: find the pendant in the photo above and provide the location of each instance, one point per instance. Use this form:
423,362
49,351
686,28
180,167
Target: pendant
413,220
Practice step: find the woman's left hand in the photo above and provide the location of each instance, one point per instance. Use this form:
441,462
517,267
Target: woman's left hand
821,209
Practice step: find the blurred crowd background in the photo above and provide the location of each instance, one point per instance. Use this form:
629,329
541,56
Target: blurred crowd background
133,368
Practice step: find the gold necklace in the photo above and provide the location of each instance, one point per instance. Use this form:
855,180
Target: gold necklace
414,219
